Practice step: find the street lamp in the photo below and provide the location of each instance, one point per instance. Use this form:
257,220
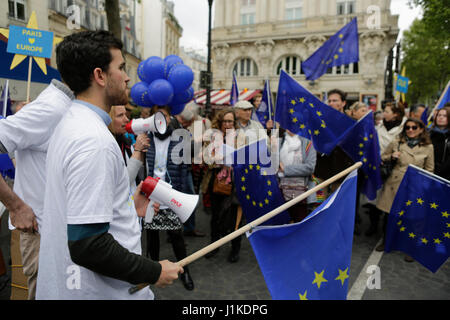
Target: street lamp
209,77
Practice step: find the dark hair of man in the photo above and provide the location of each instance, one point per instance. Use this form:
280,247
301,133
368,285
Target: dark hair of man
341,93
80,53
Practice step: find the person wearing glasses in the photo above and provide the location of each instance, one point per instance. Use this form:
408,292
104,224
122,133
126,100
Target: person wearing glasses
412,146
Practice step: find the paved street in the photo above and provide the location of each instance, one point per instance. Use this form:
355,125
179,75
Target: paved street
217,279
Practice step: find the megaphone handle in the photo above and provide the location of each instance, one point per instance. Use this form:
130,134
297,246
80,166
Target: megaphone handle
150,213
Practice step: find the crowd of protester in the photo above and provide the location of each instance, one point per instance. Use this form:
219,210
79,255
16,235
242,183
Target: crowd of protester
403,139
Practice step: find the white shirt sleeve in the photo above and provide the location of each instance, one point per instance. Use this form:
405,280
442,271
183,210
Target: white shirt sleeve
28,128
90,178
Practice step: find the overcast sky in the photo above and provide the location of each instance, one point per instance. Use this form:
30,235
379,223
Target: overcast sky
193,17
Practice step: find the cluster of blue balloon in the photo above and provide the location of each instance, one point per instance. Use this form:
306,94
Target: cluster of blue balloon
164,82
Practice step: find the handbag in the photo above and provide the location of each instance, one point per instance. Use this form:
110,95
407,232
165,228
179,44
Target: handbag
387,167
222,182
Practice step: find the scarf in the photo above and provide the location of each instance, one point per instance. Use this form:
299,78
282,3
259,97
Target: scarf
412,142
391,124
289,150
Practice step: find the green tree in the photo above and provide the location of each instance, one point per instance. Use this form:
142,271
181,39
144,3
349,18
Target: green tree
427,62
436,15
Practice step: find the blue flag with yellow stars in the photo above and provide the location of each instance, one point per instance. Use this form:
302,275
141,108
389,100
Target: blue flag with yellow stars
234,94
310,260
303,113
419,221
361,144
256,183
342,48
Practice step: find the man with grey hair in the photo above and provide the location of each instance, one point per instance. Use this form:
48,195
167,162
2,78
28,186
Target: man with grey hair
249,130
185,119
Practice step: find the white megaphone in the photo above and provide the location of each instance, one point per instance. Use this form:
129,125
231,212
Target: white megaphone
155,123
161,192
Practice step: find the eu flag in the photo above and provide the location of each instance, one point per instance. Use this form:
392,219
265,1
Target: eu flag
342,48
6,166
234,95
361,144
444,98
256,183
419,221
303,113
310,260
265,110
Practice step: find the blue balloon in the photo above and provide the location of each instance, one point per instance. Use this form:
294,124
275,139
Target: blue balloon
183,97
169,62
177,109
181,78
153,69
140,94
161,92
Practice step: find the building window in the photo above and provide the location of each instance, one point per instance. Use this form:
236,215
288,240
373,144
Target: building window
293,9
346,69
248,12
291,65
345,7
16,9
245,68
247,18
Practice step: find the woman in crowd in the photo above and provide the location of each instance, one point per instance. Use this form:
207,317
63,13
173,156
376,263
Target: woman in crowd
161,165
297,163
413,146
440,136
388,130
132,155
358,110
224,210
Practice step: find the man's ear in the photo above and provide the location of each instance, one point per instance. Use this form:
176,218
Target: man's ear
99,77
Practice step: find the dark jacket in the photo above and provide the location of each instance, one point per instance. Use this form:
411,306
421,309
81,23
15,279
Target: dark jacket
329,165
441,144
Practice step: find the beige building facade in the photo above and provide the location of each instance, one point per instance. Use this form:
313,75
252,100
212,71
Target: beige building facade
256,39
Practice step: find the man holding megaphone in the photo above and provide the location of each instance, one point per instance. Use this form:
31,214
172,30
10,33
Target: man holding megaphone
90,236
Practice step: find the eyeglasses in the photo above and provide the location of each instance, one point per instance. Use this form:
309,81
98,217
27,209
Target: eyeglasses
411,128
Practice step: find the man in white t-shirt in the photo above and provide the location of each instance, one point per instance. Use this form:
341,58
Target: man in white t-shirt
27,133
90,243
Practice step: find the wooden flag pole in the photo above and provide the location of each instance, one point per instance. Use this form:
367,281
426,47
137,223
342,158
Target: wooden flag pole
30,64
200,253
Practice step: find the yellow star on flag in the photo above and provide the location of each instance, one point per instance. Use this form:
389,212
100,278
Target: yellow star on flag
433,205
437,241
293,102
408,203
319,279
401,213
412,235
303,296
447,235
424,240
420,201
302,100
445,214
342,275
